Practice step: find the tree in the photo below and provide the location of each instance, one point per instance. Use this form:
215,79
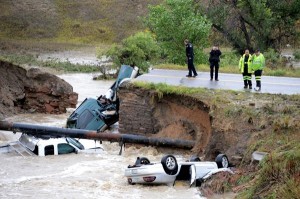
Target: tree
137,50
253,23
172,22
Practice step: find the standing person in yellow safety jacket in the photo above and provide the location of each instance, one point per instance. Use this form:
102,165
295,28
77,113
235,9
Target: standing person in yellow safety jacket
258,64
245,69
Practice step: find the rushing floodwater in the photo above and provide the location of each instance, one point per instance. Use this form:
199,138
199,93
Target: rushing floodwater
80,175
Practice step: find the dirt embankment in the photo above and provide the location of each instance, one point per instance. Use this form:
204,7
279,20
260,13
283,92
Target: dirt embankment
173,116
177,117
233,123
33,90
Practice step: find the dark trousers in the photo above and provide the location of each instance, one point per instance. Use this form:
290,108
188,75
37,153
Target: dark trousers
258,74
214,65
247,77
191,67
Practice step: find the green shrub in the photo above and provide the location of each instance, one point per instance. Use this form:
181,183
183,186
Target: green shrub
138,50
229,59
273,59
297,54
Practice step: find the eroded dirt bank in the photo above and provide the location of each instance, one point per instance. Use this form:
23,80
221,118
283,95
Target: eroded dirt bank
178,117
32,91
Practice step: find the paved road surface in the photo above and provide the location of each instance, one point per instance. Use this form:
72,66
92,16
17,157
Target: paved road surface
274,85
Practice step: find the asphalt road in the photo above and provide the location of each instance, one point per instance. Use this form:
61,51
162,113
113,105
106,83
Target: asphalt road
270,84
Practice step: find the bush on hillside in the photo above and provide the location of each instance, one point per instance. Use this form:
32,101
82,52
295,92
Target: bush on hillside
139,50
297,54
229,59
273,59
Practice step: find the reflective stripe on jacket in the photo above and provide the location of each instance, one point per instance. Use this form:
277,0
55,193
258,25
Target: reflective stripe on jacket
242,64
258,62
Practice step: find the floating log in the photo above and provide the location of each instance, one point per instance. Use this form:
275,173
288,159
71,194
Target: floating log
56,132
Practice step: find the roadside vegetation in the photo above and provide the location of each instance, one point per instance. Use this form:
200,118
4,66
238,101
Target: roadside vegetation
138,50
297,54
276,65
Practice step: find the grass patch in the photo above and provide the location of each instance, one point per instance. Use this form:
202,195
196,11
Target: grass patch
75,21
278,72
278,174
163,89
282,169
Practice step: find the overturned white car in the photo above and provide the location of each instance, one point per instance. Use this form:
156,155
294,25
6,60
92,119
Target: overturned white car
169,170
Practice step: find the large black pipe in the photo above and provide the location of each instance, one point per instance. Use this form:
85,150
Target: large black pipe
55,132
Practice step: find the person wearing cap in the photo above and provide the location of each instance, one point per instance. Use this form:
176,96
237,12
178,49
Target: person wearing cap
245,69
258,64
190,58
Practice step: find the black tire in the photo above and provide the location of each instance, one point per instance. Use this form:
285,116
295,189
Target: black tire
195,158
169,164
222,161
142,160
129,180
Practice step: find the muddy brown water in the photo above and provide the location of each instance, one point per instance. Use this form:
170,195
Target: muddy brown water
93,175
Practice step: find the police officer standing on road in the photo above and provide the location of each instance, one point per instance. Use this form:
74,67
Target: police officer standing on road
214,60
190,58
245,68
258,64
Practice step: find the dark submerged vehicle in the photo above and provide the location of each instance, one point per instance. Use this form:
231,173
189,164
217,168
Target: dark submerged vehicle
98,114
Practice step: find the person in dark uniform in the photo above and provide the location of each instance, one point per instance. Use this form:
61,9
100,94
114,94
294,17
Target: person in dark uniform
214,60
190,58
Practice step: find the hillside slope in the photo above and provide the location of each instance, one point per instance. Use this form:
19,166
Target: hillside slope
71,20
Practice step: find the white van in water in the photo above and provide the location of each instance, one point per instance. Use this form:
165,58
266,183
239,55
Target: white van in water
30,145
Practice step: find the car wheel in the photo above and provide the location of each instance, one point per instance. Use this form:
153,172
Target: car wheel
222,161
169,164
142,160
129,180
195,159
